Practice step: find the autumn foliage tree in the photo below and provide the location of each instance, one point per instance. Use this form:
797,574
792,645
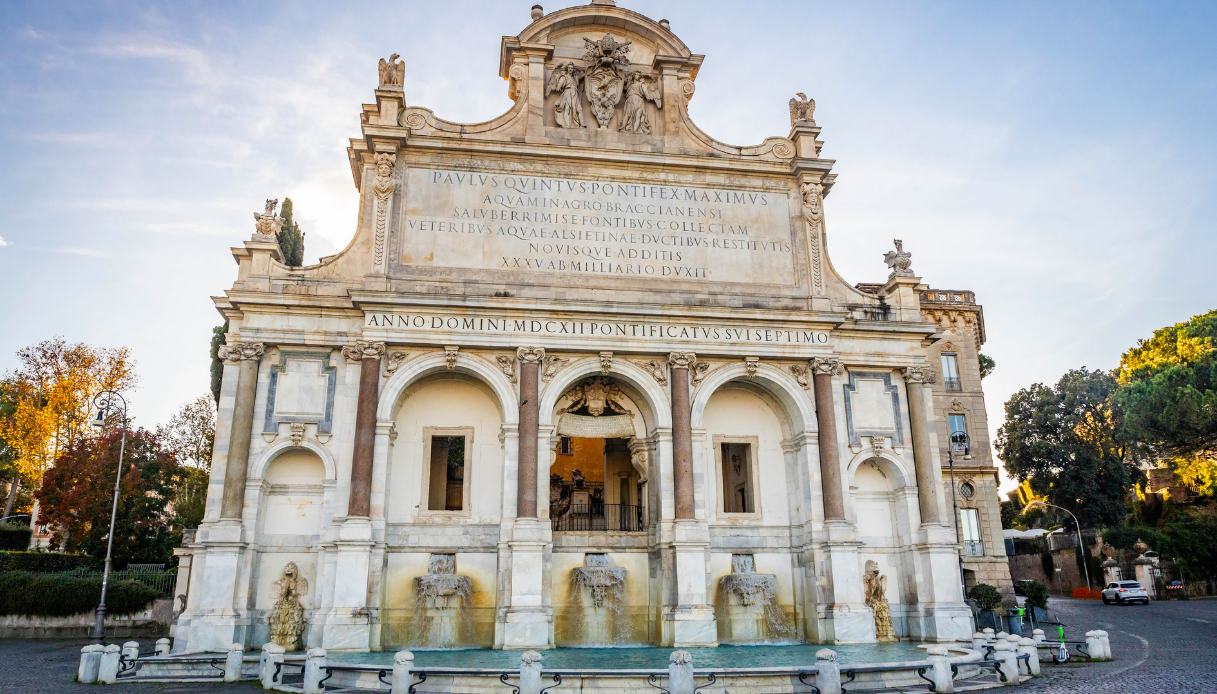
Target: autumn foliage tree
76,495
190,435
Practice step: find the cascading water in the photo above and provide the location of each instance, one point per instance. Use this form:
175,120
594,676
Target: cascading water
598,593
747,604
441,604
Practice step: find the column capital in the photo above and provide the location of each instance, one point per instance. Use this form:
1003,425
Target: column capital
827,366
682,360
919,373
239,351
531,355
363,349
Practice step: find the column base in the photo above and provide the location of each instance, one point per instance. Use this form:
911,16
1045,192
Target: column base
528,620
944,623
847,624
691,627
342,631
527,628
211,633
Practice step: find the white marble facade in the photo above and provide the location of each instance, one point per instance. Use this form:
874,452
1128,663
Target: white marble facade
553,344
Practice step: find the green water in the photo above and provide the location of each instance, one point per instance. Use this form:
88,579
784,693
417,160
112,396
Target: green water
647,657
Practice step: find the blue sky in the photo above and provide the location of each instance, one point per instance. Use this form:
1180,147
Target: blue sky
1057,158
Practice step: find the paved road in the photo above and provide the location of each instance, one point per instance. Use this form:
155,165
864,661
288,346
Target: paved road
1162,648
1168,647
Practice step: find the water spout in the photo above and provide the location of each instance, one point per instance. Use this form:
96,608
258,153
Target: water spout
442,599
747,604
598,593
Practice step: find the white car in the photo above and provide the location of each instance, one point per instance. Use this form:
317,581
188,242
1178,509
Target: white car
1121,592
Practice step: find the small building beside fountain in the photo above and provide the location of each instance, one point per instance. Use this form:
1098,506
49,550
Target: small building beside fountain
586,376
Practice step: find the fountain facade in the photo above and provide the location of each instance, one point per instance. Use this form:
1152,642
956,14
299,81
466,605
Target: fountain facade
748,611
598,599
442,604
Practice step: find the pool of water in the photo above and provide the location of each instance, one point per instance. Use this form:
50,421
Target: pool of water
647,657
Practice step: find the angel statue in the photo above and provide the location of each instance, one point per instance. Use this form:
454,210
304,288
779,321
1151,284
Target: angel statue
392,71
802,109
639,89
287,616
565,81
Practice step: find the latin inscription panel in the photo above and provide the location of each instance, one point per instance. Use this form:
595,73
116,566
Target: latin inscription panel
595,228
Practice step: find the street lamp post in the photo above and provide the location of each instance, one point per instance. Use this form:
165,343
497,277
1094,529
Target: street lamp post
1082,547
106,401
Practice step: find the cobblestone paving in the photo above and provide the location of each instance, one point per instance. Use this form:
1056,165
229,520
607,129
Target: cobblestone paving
1164,647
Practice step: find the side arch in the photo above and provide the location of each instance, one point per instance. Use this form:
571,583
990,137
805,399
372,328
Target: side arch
893,465
436,362
798,410
258,469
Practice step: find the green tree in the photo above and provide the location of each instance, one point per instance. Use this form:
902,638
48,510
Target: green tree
190,435
217,366
1064,440
76,494
1168,394
987,364
291,239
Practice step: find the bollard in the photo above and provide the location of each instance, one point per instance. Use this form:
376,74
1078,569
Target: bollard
1001,635
403,663
1094,645
1028,648
131,651
272,656
90,659
232,663
988,632
1038,636
940,670
1008,660
1106,642
680,673
979,641
530,672
314,666
162,646
107,670
828,679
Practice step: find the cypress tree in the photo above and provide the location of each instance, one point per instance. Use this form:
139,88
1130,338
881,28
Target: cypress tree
291,239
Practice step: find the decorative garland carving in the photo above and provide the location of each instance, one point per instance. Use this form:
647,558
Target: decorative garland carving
531,355
394,361
657,371
450,352
700,370
383,188
239,351
921,373
553,364
507,365
827,366
800,375
813,213
364,349
606,362
750,366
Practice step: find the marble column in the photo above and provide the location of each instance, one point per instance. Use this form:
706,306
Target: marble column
530,411
368,354
916,379
823,369
682,434
247,355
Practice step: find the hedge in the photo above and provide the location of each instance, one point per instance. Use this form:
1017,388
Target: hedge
45,561
61,595
14,536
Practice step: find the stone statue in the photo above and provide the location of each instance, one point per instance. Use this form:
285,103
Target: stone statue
604,79
565,81
900,261
813,210
639,89
802,110
392,71
875,588
266,223
287,616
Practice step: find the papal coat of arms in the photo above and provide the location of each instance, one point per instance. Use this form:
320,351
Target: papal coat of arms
604,79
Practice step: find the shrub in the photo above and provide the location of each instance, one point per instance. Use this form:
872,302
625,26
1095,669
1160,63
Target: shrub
1037,594
985,596
45,561
60,595
14,536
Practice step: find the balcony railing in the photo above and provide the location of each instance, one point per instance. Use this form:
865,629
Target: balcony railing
952,384
600,517
973,548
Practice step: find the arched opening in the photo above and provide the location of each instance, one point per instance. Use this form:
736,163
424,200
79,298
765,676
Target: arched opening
876,488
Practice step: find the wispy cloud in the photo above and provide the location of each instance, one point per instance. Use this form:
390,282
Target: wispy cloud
83,252
3,242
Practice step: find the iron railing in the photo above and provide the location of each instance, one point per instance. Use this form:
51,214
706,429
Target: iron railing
604,517
952,384
973,548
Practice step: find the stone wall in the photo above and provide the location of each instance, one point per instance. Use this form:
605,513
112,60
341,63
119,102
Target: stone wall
152,622
1030,566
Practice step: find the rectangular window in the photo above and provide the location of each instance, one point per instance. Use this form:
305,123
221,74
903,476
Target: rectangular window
969,529
566,445
449,462
736,462
957,423
950,372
